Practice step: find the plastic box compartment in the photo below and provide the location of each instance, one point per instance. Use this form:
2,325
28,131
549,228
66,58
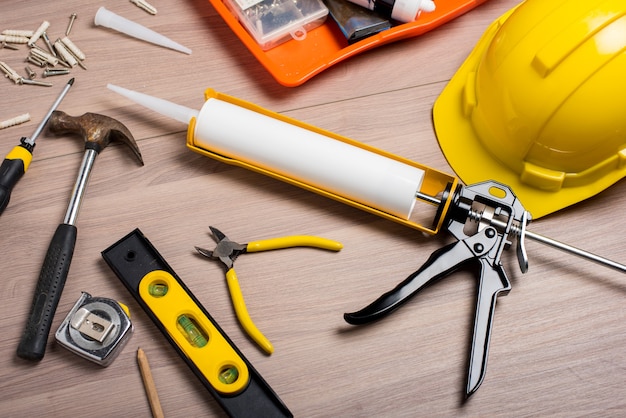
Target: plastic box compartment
273,22
294,62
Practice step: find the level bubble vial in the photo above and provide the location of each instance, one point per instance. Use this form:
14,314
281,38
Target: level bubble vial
158,289
228,375
194,334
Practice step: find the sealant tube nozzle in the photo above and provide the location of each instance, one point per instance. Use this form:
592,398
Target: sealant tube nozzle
111,20
175,111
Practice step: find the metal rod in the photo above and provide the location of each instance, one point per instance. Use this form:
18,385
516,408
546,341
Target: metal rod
542,239
33,137
433,200
563,247
576,251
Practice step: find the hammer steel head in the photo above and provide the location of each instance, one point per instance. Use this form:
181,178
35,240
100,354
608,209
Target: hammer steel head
97,130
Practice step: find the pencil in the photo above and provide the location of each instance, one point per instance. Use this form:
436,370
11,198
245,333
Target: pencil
148,382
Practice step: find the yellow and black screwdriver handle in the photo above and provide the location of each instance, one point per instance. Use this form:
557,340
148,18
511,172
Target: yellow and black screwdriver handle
194,334
12,169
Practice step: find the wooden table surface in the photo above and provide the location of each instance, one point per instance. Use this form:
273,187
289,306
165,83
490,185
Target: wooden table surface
557,347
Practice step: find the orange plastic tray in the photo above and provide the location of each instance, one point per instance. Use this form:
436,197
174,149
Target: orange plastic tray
295,62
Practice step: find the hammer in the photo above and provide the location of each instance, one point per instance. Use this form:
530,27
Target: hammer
98,131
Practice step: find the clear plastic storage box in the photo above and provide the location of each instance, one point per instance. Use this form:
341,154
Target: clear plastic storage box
272,22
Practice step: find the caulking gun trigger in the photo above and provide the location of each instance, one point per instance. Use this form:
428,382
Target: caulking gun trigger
494,213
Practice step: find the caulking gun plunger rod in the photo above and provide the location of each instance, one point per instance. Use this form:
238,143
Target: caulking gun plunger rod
542,239
219,130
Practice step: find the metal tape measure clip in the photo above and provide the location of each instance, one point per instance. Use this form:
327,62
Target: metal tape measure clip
96,329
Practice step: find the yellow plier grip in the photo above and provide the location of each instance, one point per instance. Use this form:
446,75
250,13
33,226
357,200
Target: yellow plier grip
265,245
242,313
293,241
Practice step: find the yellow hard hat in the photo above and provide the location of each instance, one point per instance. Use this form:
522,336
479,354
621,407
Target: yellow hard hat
540,103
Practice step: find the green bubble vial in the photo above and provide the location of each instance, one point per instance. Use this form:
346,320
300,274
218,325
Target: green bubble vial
192,331
157,289
229,375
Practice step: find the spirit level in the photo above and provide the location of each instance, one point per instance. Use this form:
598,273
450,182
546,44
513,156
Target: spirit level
193,333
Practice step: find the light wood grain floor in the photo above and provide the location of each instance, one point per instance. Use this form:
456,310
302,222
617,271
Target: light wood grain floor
558,340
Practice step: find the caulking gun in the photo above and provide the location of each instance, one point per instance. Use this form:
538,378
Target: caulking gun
485,218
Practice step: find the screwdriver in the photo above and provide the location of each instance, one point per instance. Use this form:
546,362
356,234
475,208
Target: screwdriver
17,161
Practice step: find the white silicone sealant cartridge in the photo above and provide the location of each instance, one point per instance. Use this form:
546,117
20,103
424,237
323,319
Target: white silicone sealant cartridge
309,157
240,133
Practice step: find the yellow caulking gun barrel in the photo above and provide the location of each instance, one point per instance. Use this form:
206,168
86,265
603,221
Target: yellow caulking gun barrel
240,133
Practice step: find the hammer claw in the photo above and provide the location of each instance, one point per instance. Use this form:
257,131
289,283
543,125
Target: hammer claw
97,130
124,136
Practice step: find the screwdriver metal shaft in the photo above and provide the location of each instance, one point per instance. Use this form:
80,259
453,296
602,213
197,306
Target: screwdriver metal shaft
17,161
33,137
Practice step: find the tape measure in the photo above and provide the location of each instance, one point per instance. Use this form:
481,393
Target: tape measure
96,329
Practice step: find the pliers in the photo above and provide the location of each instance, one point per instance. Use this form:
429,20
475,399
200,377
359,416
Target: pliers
227,252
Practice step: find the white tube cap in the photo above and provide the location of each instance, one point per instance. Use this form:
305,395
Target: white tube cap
111,20
408,10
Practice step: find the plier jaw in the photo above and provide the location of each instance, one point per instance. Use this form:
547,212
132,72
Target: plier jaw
483,218
226,250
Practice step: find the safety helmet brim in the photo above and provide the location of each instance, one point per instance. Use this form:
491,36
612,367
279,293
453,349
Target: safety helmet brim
467,156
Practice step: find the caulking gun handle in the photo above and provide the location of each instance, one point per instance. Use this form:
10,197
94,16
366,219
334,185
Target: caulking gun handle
50,284
493,282
440,263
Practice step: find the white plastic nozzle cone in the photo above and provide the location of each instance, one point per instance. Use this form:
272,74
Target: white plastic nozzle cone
111,20
175,111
